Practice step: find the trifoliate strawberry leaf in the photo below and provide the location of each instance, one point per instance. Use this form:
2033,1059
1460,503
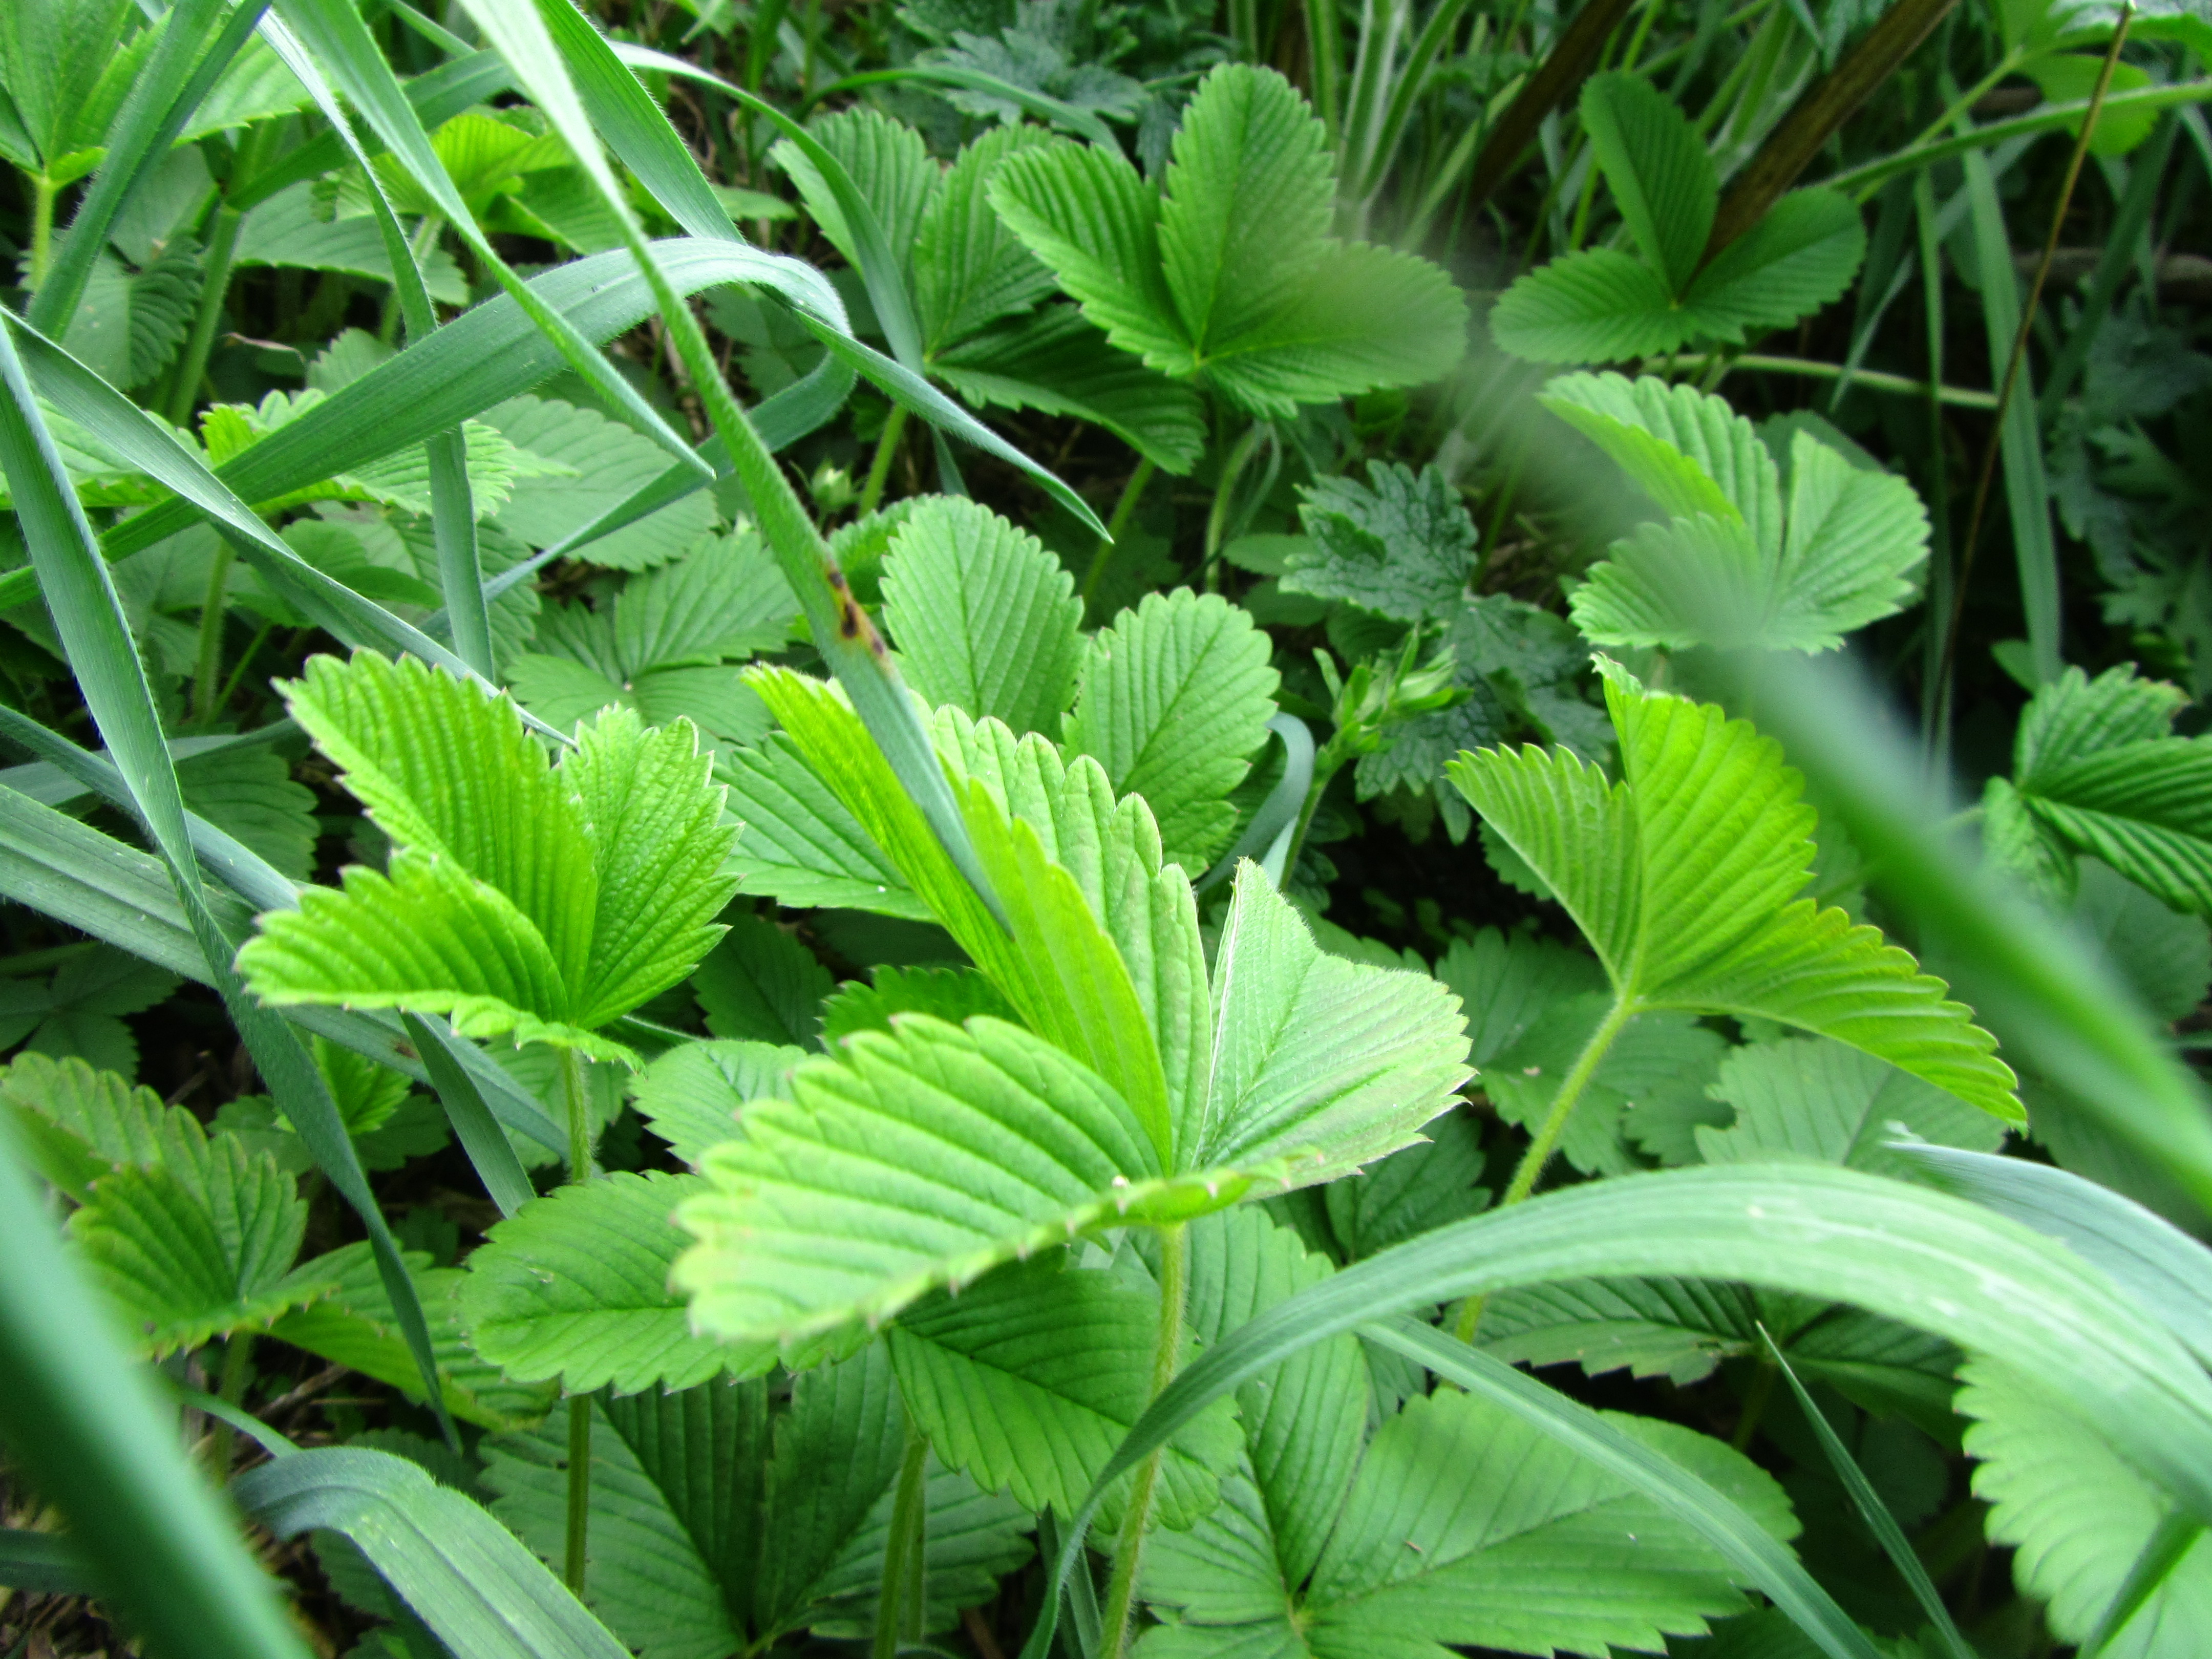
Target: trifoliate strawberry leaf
798,843
1655,164
1402,545
1801,255
1231,279
968,270
1684,878
1597,305
1172,701
2097,773
984,617
79,1010
575,1286
522,898
1735,562
79,1124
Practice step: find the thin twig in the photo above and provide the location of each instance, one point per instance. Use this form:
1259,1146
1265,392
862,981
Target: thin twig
2020,339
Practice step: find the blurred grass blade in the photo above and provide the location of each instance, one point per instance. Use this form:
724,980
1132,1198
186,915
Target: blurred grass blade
1920,1257
1872,1509
342,45
88,616
501,1172
2176,1536
1753,1554
465,1576
452,509
96,885
2050,1006
1280,811
154,111
83,1424
2168,1271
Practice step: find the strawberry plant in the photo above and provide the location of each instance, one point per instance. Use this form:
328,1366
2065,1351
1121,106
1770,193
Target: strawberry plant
998,828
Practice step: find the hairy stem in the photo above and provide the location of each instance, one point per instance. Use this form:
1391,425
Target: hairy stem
577,1101
1119,1612
207,675
1124,509
872,493
900,1604
237,1354
43,192
1533,1161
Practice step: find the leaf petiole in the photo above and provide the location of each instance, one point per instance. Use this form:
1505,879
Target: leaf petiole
1122,1586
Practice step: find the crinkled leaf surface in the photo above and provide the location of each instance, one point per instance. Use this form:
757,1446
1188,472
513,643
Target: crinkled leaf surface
1402,545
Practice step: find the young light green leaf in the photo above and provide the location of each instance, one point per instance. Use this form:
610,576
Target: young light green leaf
801,844
1685,876
523,898
1171,700
984,617
575,1286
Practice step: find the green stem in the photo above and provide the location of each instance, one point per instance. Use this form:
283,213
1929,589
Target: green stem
1124,509
1225,489
206,703
245,661
872,493
43,192
1327,764
236,1354
579,1491
576,1100
1121,1588
1540,1151
899,1605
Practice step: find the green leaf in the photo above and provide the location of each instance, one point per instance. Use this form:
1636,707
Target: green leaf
1090,217
469,1580
1655,163
130,323
523,899
2076,1511
984,617
1318,1063
889,165
79,1012
1598,306
1304,1422
354,1327
1505,983
1416,1187
187,1254
1402,544
802,845
575,1286
1058,362
611,463
1028,1379
287,231
691,1095
251,794
672,1555
952,994
1685,876
917,1158
762,984
968,269
1171,700
1830,1105
77,1124
1247,205
1801,255
1690,453
2095,768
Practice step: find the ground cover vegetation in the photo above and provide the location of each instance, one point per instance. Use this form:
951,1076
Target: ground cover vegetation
1030,826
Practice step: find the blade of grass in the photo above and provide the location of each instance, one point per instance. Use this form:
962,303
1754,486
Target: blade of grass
1872,1509
2027,492
88,616
2176,1536
1085,124
505,1181
2123,240
333,31
83,1423
1564,69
